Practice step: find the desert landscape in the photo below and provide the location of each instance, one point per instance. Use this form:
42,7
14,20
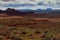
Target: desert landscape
16,25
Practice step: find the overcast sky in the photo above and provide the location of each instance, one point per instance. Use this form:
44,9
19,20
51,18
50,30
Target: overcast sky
30,4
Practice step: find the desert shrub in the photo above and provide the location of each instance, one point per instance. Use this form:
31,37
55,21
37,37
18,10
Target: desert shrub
30,36
1,38
37,32
16,38
23,32
54,38
48,35
2,26
46,32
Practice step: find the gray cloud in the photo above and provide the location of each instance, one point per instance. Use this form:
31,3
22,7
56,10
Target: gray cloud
37,3
7,0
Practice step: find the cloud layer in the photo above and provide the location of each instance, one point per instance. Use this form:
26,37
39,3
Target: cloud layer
30,4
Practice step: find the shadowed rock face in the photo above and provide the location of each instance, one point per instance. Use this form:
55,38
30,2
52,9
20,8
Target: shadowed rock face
13,12
0,11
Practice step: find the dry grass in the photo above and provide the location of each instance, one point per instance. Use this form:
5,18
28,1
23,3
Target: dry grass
29,28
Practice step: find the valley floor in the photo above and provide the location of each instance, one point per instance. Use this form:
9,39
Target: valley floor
29,28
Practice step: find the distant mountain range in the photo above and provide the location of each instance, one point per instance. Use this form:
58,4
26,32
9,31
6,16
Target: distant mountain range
48,10
36,13
40,10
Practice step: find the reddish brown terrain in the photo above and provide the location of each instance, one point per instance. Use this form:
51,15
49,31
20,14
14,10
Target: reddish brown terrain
16,25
